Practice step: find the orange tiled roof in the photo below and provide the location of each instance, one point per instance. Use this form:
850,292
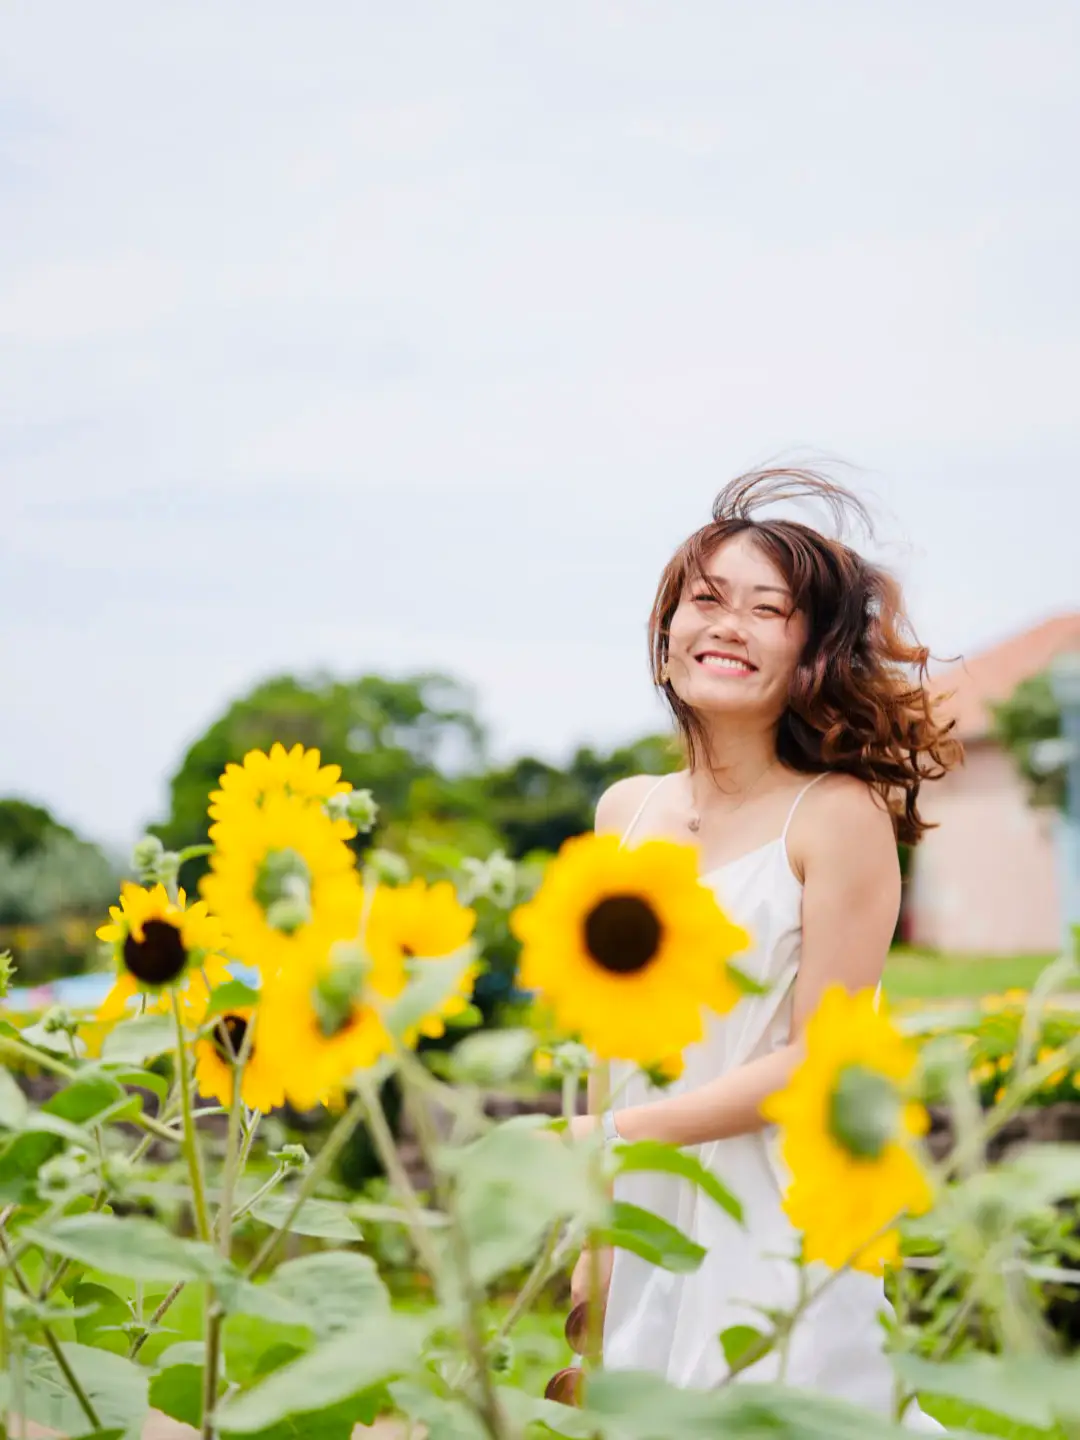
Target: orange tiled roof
993,675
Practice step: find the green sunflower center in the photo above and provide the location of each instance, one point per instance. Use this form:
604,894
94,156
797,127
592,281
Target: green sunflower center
227,1038
864,1112
283,889
623,934
337,995
159,957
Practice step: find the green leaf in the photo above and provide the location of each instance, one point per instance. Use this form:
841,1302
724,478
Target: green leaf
139,1039
738,1341
339,1289
115,1386
491,1057
142,1079
632,1405
651,1155
137,1248
368,1354
513,1184
434,982
654,1239
1034,1389
320,1219
743,982
87,1095
102,1326
13,1103
176,1386
232,995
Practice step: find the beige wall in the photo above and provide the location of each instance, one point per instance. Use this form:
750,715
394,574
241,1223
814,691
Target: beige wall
985,882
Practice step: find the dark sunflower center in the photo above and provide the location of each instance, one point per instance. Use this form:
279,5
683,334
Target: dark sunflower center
336,997
283,889
227,1037
623,934
864,1111
159,957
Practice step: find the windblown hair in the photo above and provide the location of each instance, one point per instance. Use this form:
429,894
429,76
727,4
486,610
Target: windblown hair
859,701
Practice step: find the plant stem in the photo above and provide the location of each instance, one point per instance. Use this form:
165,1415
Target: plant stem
385,1147
140,1340
264,1189
41,1058
50,1339
320,1167
489,1410
192,1152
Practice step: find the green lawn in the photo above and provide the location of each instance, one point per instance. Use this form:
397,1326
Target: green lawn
920,975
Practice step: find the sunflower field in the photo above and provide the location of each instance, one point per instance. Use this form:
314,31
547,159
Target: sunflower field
168,1247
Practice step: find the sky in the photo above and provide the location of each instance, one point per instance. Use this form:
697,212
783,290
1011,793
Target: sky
357,336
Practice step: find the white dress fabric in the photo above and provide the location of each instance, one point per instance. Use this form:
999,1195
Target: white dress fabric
670,1324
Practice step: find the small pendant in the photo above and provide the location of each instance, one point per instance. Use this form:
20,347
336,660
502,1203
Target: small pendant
694,824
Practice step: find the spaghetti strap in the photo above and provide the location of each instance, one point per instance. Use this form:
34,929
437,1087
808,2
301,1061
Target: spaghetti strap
795,804
641,809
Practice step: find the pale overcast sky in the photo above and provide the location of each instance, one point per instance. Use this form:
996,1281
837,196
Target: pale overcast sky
385,336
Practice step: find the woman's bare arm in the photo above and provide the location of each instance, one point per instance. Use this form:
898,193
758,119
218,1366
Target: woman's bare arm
844,844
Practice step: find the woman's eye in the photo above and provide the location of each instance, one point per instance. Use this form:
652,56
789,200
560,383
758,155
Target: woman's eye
705,598
769,610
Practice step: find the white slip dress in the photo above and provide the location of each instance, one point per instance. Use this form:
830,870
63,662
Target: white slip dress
670,1324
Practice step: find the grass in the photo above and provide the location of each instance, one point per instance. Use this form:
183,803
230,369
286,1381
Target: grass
925,975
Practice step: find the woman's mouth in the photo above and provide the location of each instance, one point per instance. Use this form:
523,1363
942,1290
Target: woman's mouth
724,664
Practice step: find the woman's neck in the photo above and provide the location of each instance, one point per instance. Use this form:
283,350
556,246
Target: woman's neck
735,759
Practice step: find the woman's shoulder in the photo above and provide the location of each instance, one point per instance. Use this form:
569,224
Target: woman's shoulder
620,802
842,813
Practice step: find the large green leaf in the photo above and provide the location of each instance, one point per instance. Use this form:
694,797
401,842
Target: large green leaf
176,1385
650,1155
512,1185
491,1057
631,1405
653,1238
90,1093
141,1078
115,1386
13,1103
339,1289
103,1326
232,995
378,1349
321,1219
138,1039
1034,1389
135,1247
434,981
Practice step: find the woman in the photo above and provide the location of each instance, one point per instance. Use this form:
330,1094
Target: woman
800,698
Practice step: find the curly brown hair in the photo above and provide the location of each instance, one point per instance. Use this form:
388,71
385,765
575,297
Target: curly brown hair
859,701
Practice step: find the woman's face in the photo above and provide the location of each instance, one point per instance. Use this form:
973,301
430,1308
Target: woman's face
736,655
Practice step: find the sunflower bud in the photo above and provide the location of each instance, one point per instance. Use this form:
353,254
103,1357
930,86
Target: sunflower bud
288,913
864,1112
7,970
493,879
358,807
118,1173
59,1019
152,863
386,868
338,990
59,1175
291,1157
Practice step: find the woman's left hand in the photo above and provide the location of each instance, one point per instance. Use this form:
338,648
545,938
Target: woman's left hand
582,1126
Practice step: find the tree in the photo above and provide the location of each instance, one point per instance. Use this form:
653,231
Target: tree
385,734
1030,717
25,828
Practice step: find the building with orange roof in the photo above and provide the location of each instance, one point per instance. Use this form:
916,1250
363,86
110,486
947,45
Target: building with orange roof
987,880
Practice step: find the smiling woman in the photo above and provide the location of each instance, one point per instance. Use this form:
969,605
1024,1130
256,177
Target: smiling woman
798,691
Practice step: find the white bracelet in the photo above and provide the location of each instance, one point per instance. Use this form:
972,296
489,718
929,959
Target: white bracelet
608,1128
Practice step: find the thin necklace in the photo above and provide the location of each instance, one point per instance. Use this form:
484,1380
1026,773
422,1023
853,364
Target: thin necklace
693,823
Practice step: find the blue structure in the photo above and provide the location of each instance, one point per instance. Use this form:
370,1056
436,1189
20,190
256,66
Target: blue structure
1065,680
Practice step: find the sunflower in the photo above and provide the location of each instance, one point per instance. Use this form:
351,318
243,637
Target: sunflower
627,947
283,881
216,1054
160,944
847,1129
411,923
297,772
319,1024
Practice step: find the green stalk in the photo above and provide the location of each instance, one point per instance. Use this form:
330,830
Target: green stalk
192,1152
320,1168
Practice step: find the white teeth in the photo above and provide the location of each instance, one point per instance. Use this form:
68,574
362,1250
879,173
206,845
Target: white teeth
721,662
